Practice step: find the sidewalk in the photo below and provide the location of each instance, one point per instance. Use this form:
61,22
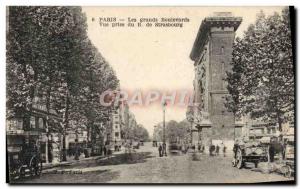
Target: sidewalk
71,160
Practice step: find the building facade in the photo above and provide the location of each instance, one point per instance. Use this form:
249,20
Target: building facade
116,125
212,54
37,131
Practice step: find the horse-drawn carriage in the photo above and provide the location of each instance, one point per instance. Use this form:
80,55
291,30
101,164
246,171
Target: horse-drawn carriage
174,148
24,162
249,151
265,150
288,164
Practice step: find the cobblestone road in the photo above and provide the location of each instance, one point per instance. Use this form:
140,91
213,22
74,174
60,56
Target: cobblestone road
145,166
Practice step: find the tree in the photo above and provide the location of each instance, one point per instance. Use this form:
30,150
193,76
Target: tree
141,133
96,77
49,56
24,53
233,101
175,131
261,82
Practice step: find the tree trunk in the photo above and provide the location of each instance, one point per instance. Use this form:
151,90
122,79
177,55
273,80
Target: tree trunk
64,155
47,123
279,120
88,134
93,137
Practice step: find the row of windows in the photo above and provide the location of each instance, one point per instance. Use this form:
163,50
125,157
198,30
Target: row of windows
264,131
15,124
36,122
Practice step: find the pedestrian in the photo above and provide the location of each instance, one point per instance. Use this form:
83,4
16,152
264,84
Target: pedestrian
202,148
217,150
101,150
235,147
104,150
160,150
164,149
211,149
271,152
50,152
77,152
284,149
224,150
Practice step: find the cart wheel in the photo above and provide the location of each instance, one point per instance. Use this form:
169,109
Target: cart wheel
36,166
239,159
288,172
14,175
22,172
39,168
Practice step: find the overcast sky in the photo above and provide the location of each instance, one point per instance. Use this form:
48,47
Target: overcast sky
156,58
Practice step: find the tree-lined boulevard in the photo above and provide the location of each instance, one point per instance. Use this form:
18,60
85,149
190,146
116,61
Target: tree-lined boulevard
238,129
145,166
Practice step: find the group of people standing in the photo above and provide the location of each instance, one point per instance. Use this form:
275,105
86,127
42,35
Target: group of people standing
162,150
215,149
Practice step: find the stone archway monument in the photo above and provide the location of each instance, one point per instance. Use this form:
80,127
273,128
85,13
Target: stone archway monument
212,54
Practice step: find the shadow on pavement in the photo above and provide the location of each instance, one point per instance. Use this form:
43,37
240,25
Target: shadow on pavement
99,176
139,157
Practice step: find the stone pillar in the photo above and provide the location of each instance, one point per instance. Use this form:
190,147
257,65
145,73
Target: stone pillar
212,53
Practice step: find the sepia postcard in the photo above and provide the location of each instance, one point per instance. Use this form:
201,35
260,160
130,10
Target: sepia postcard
150,95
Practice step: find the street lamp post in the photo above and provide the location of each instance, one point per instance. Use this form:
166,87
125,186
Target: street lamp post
191,130
164,130
155,136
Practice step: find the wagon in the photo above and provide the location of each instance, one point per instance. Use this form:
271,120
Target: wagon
24,163
288,164
174,148
251,151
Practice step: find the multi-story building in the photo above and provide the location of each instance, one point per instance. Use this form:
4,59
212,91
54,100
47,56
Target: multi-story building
125,113
37,130
116,125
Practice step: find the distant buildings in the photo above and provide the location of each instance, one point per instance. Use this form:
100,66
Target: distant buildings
116,125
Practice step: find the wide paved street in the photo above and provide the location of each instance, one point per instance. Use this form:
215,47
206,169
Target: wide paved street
145,166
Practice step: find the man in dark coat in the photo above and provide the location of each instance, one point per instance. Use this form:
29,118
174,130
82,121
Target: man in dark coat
164,149
160,149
